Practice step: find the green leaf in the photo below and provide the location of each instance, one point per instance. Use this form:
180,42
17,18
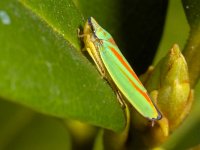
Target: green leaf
23,129
41,65
192,48
176,30
192,11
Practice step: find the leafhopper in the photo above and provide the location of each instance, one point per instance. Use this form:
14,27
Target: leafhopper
113,66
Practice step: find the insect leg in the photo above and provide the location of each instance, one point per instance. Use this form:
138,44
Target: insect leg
120,99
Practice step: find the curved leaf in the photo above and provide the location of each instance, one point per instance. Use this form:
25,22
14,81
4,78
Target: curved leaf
41,65
192,48
23,129
176,30
192,12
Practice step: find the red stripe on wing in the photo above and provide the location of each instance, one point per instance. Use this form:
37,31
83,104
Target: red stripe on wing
124,64
144,94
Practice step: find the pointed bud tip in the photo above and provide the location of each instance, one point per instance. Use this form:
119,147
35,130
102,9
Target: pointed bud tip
175,50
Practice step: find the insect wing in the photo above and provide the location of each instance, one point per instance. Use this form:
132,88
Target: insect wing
126,80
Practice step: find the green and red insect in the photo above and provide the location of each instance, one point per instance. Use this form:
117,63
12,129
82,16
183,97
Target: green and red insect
114,67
